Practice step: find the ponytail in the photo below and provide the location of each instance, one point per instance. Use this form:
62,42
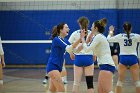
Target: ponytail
103,22
127,28
84,25
56,30
100,24
84,22
128,35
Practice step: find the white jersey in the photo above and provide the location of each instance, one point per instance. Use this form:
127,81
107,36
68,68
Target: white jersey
101,49
74,37
127,46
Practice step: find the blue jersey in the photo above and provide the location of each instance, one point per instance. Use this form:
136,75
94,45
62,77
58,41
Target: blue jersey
57,54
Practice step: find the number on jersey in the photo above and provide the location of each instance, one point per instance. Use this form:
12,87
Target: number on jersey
127,42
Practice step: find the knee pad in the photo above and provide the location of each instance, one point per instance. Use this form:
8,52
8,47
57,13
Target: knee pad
76,83
119,83
137,83
111,92
89,81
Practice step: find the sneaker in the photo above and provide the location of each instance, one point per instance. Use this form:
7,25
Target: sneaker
45,81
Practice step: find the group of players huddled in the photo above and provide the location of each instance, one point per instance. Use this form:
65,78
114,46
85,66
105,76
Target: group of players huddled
85,46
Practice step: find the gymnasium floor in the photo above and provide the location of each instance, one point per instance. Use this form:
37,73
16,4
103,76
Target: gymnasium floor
29,80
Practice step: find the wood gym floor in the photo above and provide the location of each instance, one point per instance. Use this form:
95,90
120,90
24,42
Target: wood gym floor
29,80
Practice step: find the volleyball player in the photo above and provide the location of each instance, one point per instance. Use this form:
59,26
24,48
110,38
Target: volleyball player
2,62
114,47
55,61
101,49
83,62
128,56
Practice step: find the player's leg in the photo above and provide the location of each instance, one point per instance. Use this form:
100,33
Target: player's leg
121,76
115,59
56,80
78,71
89,70
52,88
64,74
45,81
105,78
105,81
134,69
1,74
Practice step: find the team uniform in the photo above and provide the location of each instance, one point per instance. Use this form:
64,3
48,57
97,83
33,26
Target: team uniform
114,47
56,59
128,52
101,49
1,49
81,58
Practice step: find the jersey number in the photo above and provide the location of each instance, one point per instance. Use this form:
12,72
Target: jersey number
127,42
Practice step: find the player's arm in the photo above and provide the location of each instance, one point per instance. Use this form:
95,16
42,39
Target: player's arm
82,35
89,38
71,40
72,37
113,38
138,37
93,44
69,48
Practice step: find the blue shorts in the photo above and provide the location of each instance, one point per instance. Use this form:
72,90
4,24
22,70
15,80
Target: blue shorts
83,60
107,67
51,67
128,60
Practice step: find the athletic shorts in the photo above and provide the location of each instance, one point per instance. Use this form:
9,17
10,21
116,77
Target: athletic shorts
114,53
128,60
51,67
83,60
107,67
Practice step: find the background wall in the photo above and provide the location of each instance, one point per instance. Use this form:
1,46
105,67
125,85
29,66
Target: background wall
34,19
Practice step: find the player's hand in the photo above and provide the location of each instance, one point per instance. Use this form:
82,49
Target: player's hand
111,30
80,47
3,64
72,56
89,39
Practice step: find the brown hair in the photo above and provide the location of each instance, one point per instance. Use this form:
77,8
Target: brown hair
103,21
127,28
56,30
84,22
100,24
